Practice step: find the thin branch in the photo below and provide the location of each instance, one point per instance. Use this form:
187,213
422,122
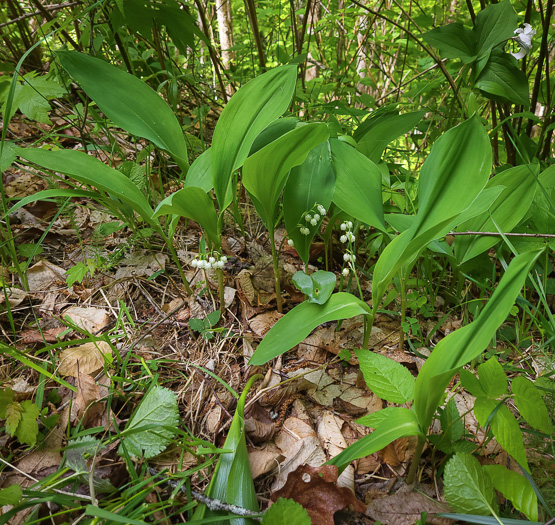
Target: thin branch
515,234
53,7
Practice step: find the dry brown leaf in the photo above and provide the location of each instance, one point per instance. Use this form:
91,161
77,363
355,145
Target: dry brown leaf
394,453
140,264
87,393
42,275
315,488
92,320
84,359
263,322
15,297
404,508
30,337
258,424
265,459
213,419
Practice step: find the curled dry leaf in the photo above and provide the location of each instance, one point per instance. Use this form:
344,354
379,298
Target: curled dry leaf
264,459
84,359
92,320
315,488
87,393
15,297
42,275
263,322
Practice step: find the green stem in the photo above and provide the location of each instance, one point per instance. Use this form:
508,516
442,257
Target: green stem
221,291
277,282
415,460
403,313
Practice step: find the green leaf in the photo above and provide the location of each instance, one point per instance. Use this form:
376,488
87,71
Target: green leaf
286,512
494,25
375,133
515,488
265,173
6,398
388,379
158,410
200,172
195,204
466,486
451,178
11,495
248,112
128,102
502,78
197,325
492,378
232,479
471,383
80,450
465,344
453,41
89,170
452,426
531,405
318,286
311,182
519,188
504,426
399,423
13,417
27,430
358,184
297,324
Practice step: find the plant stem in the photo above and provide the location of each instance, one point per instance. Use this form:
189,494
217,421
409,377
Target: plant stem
403,313
415,460
277,283
221,291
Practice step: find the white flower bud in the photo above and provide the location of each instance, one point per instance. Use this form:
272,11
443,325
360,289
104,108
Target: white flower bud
207,265
290,242
321,209
346,257
212,260
345,272
308,217
194,263
316,217
343,226
349,225
343,239
314,222
304,231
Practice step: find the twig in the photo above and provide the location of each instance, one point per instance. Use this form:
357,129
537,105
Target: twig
497,234
211,503
46,8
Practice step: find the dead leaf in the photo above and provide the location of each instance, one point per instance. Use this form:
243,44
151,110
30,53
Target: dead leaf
405,508
315,488
258,424
263,322
87,393
394,453
83,359
265,459
30,337
141,264
92,320
15,297
42,275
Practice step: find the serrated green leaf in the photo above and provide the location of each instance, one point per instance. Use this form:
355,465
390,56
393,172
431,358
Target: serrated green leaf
6,398
286,512
471,383
466,486
78,448
492,378
28,428
11,495
158,409
504,426
451,424
531,405
515,488
13,417
388,379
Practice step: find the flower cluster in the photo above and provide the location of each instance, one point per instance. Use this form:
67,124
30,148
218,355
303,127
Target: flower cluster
348,237
523,36
206,263
312,218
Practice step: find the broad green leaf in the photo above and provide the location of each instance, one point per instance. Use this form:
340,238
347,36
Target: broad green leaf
248,112
232,479
358,184
13,417
494,24
157,411
297,324
195,204
502,78
286,512
492,378
317,286
515,488
200,172
89,170
310,183
542,211
531,405
12,495
466,486
504,426
400,423
471,383
453,41
519,187
265,173
464,344
273,131
28,428
128,102
452,427
375,419
451,178
375,133
388,379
